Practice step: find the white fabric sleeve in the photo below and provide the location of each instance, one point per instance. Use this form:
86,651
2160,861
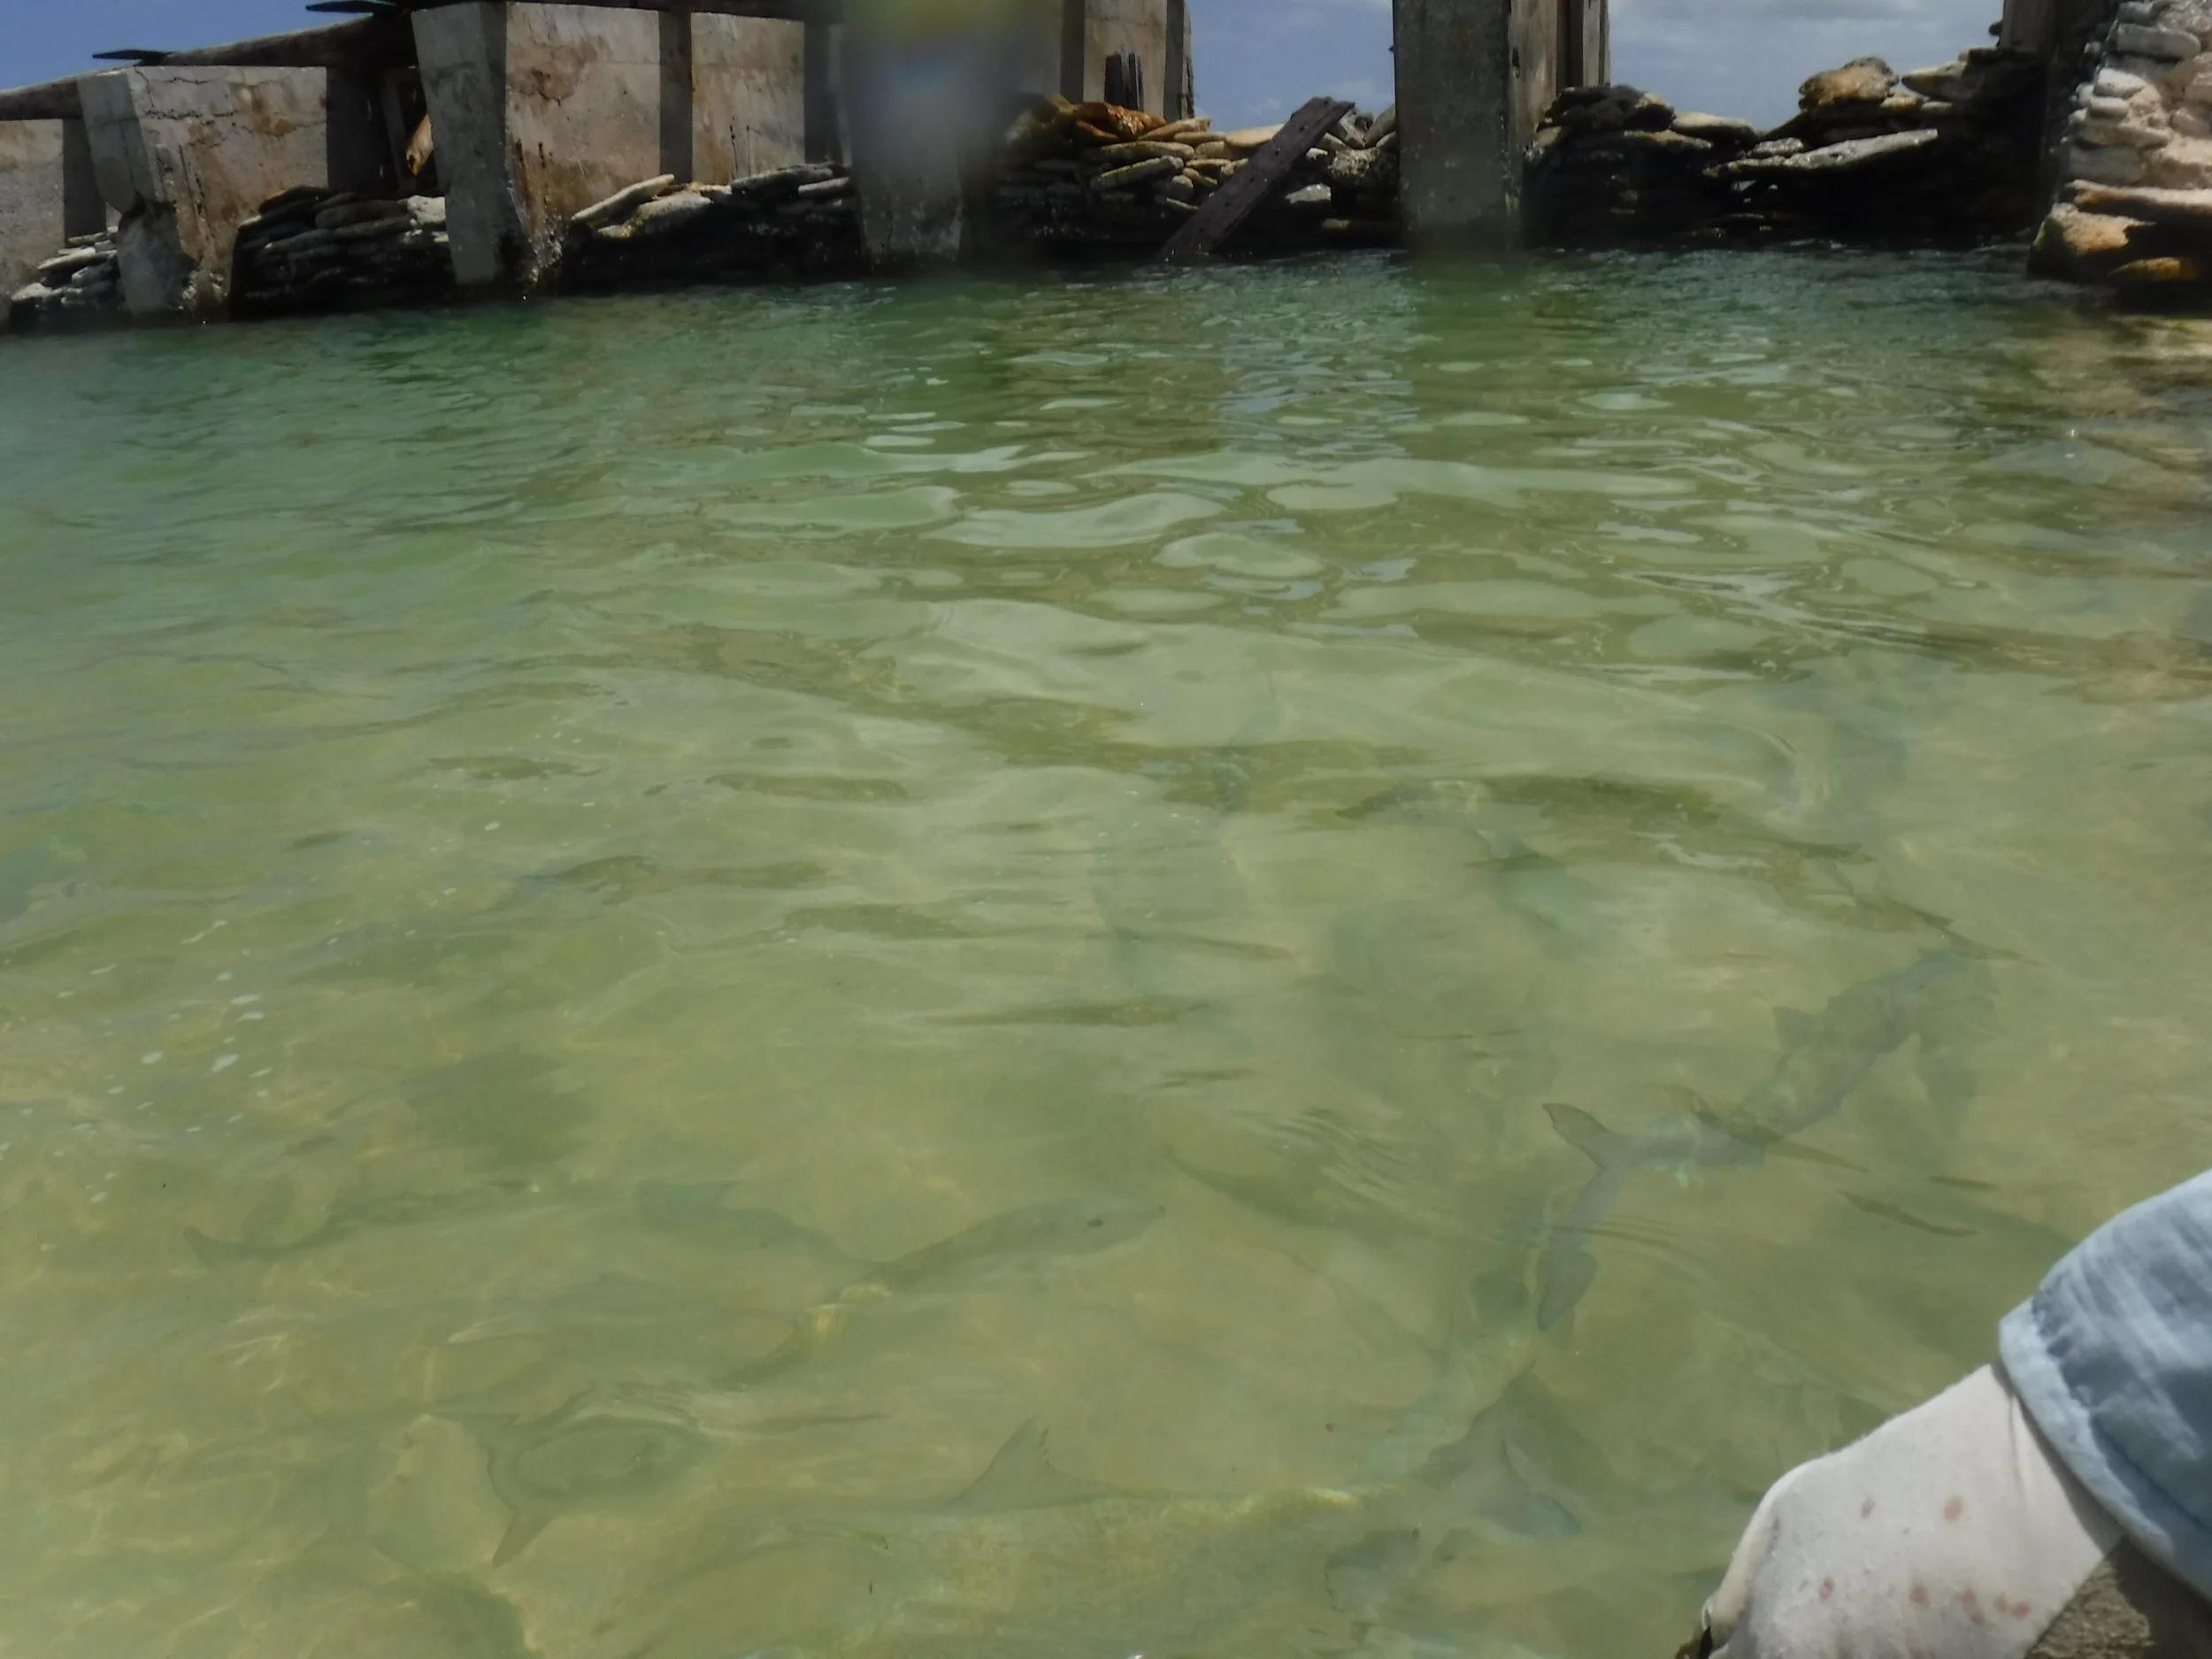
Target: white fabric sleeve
1951,1532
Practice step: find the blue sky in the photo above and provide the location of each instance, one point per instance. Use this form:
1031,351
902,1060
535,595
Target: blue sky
1257,59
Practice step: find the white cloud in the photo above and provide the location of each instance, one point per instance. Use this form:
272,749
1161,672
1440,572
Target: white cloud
1258,59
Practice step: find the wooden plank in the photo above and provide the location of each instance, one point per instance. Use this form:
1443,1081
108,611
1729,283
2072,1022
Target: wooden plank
368,45
1252,184
48,101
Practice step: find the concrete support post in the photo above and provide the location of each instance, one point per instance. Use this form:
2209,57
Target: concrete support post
2029,25
748,96
47,196
541,110
1181,91
928,93
1456,116
185,156
1130,52
825,92
1474,79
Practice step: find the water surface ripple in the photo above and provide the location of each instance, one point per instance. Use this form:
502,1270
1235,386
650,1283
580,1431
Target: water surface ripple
632,932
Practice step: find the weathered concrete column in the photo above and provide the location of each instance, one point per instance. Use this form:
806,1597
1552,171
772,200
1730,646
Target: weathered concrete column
47,196
1474,79
1588,25
1120,51
541,110
926,95
1456,98
188,155
749,100
1182,69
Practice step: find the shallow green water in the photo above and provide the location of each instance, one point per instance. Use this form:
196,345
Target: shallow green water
538,846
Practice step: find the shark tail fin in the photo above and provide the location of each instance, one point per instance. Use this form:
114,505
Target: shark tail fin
1022,1477
1796,1028
1587,1135
218,1253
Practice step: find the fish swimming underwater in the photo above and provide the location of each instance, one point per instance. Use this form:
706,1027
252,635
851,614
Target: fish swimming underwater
1030,1562
1020,1239
1826,1055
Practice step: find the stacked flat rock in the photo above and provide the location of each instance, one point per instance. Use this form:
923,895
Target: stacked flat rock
311,248
1937,154
1096,177
81,285
2135,167
1615,165
793,221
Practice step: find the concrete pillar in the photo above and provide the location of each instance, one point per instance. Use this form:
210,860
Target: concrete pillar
2029,25
748,112
1586,45
539,111
1474,79
1537,68
928,91
185,156
47,196
1456,116
824,91
1182,71
1119,50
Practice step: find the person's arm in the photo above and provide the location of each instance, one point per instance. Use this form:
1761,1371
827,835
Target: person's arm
2054,1507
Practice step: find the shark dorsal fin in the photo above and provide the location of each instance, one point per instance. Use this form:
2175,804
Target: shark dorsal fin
1795,1026
1022,1477
1585,1134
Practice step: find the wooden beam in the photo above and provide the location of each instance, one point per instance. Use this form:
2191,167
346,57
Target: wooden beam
792,10
1252,184
368,45
48,101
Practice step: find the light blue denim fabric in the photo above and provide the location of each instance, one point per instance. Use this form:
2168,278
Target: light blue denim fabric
2113,1359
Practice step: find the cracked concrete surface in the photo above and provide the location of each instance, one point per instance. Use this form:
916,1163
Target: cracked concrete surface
188,155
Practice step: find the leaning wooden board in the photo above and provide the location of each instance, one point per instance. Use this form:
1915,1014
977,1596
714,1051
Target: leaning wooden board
1245,190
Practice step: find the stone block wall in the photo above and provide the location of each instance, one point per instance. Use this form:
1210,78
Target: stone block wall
47,195
185,156
542,110
2134,201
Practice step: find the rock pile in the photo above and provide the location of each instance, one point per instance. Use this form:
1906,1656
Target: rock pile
2134,205
314,250
81,285
792,222
1097,178
1613,165
1936,154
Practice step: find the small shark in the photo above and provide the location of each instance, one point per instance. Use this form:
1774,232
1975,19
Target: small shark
371,1212
1020,1238
611,1445
1826,1055
1032,1562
